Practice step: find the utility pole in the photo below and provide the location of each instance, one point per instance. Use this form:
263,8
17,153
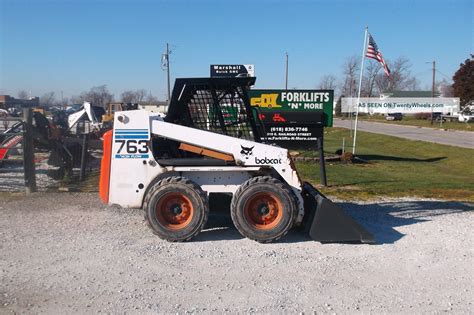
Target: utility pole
168,70
433,90
165,63
286,72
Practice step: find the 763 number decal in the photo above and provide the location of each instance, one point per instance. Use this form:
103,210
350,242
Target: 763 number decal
132,149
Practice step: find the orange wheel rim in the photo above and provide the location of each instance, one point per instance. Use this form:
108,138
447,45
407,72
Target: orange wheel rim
263,211
174,211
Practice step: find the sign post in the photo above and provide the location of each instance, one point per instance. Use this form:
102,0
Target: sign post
322,162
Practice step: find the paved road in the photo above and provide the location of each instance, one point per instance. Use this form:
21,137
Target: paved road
463,139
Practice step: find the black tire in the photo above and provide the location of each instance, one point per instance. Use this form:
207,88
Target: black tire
176,209
264,209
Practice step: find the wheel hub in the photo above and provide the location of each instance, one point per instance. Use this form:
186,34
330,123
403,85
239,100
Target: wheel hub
263,209
176,209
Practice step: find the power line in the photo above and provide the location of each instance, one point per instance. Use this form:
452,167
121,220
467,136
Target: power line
444,75
422,72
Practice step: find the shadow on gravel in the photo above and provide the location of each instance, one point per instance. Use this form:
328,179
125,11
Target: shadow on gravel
219,227
374,157
219,224
380,219
296,235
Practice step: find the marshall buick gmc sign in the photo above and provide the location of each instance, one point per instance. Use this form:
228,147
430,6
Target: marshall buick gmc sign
230,71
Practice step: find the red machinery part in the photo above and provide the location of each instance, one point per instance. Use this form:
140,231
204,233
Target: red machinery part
104,181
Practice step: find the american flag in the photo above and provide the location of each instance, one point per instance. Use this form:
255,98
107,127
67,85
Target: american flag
374,53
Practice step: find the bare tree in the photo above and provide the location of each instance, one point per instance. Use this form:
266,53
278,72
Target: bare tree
140,95
327,82
445,88
374,80
368,80
98,95
130,96
76,99
338,109
127,96
23,95
150,99
400,77
48,99
63,102
350,70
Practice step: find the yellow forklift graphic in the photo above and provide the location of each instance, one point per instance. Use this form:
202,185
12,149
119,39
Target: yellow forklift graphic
265,101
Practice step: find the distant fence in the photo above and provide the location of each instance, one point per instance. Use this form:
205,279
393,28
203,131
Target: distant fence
16,155
35,157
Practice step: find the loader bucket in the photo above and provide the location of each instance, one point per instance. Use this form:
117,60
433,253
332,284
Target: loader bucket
326,222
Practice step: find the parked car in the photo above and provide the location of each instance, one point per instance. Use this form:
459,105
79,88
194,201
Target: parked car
438,117
467,113
394,116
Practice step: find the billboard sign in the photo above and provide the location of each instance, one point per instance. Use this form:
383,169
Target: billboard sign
404,105
307,102
293,118
230,71
290,133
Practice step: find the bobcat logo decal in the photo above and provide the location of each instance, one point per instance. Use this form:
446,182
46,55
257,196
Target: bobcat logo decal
246,151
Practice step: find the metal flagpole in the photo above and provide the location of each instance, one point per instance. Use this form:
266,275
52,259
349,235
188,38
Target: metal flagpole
358,93
286,73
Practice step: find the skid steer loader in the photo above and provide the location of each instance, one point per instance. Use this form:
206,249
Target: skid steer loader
209,142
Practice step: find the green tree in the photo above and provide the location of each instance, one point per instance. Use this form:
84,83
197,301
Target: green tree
463,86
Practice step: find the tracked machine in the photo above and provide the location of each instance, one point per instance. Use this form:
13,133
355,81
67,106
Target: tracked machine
210,142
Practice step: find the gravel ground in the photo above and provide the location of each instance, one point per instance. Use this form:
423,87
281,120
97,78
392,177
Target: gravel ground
12,177
68,253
